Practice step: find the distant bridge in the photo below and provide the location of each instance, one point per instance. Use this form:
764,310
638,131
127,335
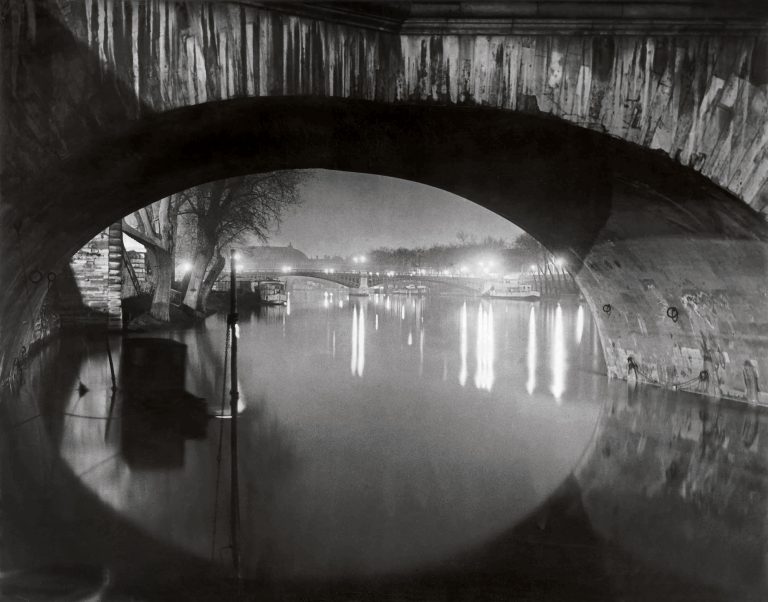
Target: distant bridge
352,278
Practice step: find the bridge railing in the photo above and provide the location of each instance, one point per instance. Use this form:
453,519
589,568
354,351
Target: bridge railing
356,269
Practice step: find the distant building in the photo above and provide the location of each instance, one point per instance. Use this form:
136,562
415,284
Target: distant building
265,257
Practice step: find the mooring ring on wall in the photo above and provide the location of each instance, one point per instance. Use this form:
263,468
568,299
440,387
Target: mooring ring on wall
673,313
51,277
607,308
36,276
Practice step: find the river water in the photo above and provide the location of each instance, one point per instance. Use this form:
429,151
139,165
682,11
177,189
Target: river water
377,436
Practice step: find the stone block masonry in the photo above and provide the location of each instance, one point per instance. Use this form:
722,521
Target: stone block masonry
95,298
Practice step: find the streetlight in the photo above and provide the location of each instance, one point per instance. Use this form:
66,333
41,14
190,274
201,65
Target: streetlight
186,267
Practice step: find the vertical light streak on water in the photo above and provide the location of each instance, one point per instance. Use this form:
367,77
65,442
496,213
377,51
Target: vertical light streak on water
388,304
361,342
402,313
325,300
288,304
463,344
353,360
341,303
410,338
421,352
479,347
558,356
579,324
530,385
484,375
333,345
490,349
377,322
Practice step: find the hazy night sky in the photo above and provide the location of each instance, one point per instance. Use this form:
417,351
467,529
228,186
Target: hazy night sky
346,213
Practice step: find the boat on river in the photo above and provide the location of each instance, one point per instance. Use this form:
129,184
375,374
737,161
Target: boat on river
518,292
263,292
411,289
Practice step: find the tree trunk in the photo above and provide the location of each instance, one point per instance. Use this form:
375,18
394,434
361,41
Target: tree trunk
164,280
165,260
203,255
208,282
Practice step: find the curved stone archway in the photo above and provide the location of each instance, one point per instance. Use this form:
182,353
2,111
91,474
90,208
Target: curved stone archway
101,118
641,234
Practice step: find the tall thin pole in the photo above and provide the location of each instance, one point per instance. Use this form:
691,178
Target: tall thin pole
234,395
111,366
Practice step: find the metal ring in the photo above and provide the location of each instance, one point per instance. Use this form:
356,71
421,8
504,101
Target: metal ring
673,313
36,276
607,308
51,277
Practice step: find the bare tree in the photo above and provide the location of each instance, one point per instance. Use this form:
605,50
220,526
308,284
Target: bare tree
155,227
226,210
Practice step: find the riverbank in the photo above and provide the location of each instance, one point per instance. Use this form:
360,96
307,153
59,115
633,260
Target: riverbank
138,319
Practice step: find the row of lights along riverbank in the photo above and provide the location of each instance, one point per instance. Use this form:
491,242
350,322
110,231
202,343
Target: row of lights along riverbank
485,268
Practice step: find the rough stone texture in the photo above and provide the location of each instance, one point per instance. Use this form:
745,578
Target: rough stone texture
115,277
702,100
94,297
679,292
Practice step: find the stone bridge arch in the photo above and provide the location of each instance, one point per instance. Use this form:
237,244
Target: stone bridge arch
107,121
695,90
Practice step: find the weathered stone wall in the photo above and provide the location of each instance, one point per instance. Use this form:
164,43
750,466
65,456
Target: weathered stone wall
94,296
680,290
701,99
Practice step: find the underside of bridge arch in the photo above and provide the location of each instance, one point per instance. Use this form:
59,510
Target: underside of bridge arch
673,267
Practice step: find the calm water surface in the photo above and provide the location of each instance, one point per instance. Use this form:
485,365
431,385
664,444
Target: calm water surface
377,434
